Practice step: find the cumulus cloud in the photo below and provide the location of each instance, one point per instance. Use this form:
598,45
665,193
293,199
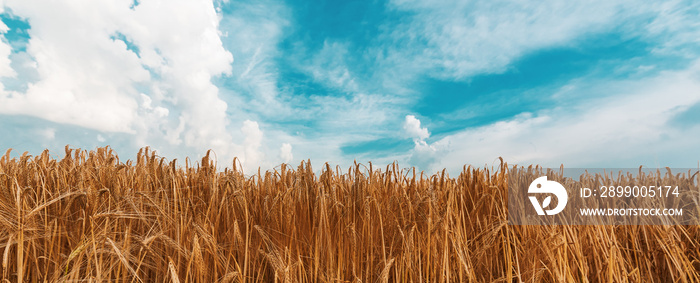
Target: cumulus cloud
286,153
424,155
85,78
145,71
413,129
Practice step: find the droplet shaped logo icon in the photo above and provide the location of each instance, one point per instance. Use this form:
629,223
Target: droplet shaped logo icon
542,186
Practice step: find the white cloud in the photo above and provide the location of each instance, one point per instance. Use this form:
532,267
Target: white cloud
163,96
675,23
286,153
85,78
460,39
413,129
329,66
253,32
627,128
424,155
455,40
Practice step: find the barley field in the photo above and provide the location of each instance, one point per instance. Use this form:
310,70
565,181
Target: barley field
92,217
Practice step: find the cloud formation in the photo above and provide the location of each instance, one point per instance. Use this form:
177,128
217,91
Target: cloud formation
621,129
424,155
466,38
145,71
413,129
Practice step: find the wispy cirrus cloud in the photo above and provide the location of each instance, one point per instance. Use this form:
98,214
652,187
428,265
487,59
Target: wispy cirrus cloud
634,124
457,39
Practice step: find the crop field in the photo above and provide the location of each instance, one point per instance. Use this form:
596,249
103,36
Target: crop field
91,217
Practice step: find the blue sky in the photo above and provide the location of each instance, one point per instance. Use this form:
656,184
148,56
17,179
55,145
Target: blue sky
432,84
